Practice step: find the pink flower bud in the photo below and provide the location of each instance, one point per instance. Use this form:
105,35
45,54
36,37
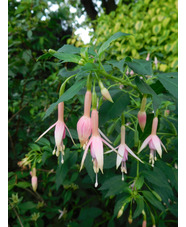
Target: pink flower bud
84,129
130,220
34,183
148,57
144,224
131,72
142,117
166,113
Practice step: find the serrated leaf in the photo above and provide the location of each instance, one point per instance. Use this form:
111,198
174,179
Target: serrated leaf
140,206
140,66
170,82
110,110
70,93
106,44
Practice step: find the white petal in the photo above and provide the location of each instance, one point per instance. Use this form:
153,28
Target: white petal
156,142
132,153
85,154
70,135
45,132
144,144
120,155
102,134
163,146
98,146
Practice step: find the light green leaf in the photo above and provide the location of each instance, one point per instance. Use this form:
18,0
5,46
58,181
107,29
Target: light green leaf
23,184
156,29
106,44
69,49
70,93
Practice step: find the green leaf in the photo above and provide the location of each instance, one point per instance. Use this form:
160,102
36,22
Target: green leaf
66,57
10,174
138,25
152,199
139,182
89,166
106,44
110,110
117,64
69,49
170,82
23,184
27,205
34,147
89,212
70,93
140,206
140,66
146,89
156,29
156,195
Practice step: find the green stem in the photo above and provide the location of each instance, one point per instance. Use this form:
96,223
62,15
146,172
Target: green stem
137,171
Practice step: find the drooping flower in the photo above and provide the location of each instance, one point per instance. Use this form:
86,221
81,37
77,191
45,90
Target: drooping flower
84,124
59,133
96,147
122,155
142,117
154,143
34,179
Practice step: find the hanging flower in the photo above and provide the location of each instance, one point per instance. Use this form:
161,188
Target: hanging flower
59,133
122,155
142,114
154,143
84,123
96,147
148,57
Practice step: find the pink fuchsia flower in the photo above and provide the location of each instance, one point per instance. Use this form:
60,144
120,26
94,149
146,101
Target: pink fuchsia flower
122,155
84,124
34,179
131,72
156,62
59,133
144,224
154,143
96,147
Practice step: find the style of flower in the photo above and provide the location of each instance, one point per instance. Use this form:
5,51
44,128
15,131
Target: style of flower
122,155
84,123
59,133
96,146
154,143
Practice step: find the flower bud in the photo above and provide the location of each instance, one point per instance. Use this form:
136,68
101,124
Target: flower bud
148,57
51,51
131,72
142,119
34,183
105,92
144,224
130,219
166,113
120,212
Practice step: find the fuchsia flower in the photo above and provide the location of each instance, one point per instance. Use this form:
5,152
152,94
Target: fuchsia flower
59,133
154,143
96,146
84,123
122,155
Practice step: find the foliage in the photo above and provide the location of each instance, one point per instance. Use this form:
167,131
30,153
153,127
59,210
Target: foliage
65,196
154,25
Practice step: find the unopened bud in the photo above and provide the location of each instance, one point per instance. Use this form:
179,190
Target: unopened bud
51,51
34,183
144,224
81,61
166,113
120,212
105,92
131,72
130,219
142,117
148,57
